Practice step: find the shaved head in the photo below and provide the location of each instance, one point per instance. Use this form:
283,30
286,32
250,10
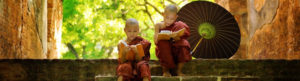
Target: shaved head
171,8
131,28
170,15
131,21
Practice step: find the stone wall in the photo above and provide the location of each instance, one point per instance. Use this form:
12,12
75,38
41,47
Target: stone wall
23,28
276,36
269,28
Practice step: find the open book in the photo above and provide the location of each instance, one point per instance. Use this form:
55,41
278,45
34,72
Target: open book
131,55
166,34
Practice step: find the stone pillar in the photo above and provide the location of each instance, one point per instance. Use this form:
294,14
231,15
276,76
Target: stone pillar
10,28
23,29
41,18
54,27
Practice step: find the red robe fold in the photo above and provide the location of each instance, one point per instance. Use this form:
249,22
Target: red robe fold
171,53
136,70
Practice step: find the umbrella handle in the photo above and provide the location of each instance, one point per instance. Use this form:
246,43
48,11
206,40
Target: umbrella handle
196,45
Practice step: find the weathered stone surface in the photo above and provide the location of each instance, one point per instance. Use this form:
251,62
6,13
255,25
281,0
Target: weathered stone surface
66,70
19,29
10,28
203,78
12,70
24,31
31,41
54,28
269,28
55,70
276,37
236,7
261,12
188,78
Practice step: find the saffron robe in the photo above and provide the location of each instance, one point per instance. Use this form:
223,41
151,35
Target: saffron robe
170,53
136,70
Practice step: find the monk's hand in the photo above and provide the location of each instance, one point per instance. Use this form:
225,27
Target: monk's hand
135,50
174,37
133,47
126,49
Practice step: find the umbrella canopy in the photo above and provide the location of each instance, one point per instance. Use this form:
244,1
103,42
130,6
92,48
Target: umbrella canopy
214,31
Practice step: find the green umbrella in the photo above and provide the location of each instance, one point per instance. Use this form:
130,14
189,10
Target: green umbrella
214,31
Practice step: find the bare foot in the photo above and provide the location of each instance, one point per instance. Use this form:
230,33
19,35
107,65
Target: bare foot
180,74
179,68
120,78
167,74
145,79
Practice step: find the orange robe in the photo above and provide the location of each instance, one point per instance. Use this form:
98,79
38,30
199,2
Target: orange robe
170,53
136,70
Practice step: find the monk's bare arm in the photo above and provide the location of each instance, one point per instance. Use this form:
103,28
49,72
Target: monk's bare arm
156,31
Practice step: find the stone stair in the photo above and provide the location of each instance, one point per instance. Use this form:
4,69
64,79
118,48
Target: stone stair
187,78
105,70
225,70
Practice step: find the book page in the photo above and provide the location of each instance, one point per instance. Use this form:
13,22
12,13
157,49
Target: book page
179,33
131,54
164,35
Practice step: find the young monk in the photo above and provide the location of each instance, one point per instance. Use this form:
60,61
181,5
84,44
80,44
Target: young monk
174,52
138,69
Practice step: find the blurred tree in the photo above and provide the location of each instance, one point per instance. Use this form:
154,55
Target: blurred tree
92,28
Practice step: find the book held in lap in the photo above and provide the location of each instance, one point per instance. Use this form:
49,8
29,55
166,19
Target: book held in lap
167,34
131,55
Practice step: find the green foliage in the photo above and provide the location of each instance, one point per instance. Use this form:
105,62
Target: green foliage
98,25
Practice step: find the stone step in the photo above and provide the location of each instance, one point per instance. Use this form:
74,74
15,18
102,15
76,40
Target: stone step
224,67
206,78
201,78
86,70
